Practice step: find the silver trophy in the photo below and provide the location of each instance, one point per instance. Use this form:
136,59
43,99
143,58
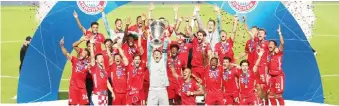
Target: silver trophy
157,33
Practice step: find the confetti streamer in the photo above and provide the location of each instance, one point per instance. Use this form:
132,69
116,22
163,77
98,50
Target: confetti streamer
303,12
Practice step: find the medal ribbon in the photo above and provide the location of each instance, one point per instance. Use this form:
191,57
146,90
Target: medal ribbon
226,73
246,78
119,71
131,50
251,45
135,70
214,73
102,71
269,58
186,86
225,46
81,66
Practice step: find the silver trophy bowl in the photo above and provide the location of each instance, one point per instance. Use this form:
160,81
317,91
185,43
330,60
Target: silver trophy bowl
157,33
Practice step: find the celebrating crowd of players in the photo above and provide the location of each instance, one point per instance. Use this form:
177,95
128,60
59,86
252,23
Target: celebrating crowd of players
198,63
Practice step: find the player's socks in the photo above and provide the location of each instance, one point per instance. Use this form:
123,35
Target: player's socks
281,101
265,101
273,101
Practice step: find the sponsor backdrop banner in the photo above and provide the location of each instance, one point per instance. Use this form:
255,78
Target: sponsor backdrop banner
44,62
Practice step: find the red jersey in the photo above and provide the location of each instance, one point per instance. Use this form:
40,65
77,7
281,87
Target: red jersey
247,83
191,86
136,76
118,75
130,51
224,49
99,77
213,79
99,39
135,28
79,72
184,50
198,49
106,58
230,78
275,63
170,30
263,45
144,47
178,64
251,52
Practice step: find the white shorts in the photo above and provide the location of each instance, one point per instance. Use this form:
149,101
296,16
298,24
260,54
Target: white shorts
157,96
99,100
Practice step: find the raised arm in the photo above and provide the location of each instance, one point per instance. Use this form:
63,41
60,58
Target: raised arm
92,52
235,25
164,50
122,54
177,25
110,57
197,16
247,28
63,49
217,9
258,60
77,43
150,9
281,46
108,29
175,9
149,50
75,14
128,22
241,55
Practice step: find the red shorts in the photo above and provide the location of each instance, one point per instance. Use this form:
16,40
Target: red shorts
135,98
249,100
77,96
231,97
173,90
198,71
276,84
120,99
264,87
262,75
213,98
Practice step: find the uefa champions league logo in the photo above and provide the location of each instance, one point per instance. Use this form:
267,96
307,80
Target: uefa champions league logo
243,6
91,7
